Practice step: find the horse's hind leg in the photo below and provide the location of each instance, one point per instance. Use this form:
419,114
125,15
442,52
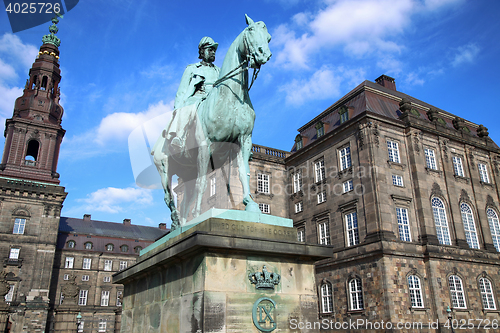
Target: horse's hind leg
244,170
161,162
201,180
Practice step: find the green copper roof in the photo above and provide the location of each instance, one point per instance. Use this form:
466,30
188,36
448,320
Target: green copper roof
52,38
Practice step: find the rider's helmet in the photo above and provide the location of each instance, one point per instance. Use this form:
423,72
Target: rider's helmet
207,42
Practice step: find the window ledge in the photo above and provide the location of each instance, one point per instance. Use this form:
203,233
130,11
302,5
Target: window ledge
270,195
397,166
415,309
12,262
435,171
356,312
490,185
462,179
344,172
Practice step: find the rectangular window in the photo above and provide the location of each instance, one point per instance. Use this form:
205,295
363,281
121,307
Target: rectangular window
321,197
483,173
320,131
430,159
61,299
108,265
319,170
297,182
397,180
324,233
457,166
298,207
348,186
265,208
69,262
82,297
87,262
85,277
212,185
119,298
351,221
107,279
19,225
102,325
393,149
345,158
262,183
81,326
301,235
10,295
123,265
14,254
105,298
66,277
403,224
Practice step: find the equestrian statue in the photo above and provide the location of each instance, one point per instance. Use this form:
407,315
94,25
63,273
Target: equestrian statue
213,113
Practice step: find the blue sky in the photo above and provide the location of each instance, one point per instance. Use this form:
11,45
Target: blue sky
121,63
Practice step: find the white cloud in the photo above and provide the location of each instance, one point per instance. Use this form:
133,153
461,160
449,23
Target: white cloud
414,79
7,72
7,99
117,126
112,131
112,199
359,27
465,54
14,48
324,83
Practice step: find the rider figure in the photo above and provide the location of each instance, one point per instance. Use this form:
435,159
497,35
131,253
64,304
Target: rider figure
196,83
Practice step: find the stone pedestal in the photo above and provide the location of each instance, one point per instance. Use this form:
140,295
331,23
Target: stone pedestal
211,278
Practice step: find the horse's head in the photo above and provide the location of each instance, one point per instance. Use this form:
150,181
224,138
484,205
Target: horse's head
257,42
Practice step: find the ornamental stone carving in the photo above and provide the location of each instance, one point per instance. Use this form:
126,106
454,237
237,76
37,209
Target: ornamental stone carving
264,279
70,290
482,131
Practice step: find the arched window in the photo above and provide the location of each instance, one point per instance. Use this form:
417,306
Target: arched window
326,298
487,294
44,83
71,244
32,152
88,246
137,249
415,291
442,232
494,227
110,247
356,294
457,292
124,248
469,226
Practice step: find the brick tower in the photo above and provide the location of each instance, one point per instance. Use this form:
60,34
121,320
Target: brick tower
30,196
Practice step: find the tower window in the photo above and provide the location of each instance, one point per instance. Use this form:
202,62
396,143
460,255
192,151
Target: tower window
44,83
32,152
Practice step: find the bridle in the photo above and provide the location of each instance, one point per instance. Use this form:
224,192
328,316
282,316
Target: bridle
243,66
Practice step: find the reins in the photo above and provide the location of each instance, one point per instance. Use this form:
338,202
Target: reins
243,66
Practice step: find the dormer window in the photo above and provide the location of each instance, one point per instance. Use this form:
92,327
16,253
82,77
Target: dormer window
320,129
344,114
299,143
88,246
71,244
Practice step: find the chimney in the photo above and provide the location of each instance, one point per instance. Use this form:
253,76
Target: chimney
86,217
162,226
127,222
386,81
